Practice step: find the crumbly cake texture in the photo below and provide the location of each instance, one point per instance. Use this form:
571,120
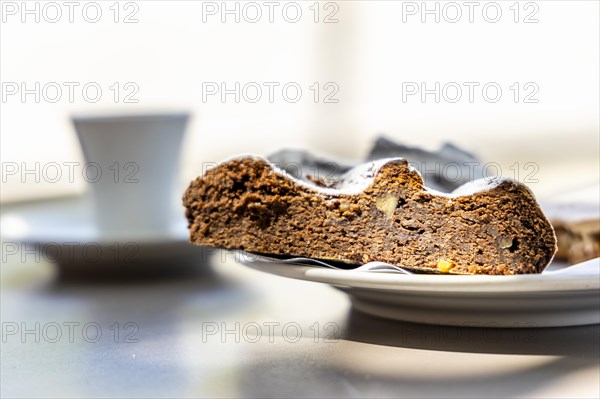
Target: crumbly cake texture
377,212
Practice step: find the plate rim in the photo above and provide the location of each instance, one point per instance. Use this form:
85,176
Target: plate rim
531,283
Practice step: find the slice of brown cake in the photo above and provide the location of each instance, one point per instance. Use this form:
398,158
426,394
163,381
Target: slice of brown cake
379,211
577,227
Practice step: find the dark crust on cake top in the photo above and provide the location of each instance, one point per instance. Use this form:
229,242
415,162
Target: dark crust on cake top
246,204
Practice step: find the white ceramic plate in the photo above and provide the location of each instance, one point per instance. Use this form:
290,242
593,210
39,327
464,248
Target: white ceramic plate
63,231
558,297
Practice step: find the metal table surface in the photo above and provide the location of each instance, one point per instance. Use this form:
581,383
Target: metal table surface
237,332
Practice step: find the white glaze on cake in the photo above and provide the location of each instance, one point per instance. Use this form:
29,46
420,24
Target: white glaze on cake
357,179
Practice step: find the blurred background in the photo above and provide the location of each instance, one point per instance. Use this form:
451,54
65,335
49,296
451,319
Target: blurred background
515,82
357,65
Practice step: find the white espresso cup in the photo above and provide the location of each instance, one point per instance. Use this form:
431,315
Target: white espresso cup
131,165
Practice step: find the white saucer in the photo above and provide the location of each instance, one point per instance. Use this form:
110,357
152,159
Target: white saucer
558,297
63,231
